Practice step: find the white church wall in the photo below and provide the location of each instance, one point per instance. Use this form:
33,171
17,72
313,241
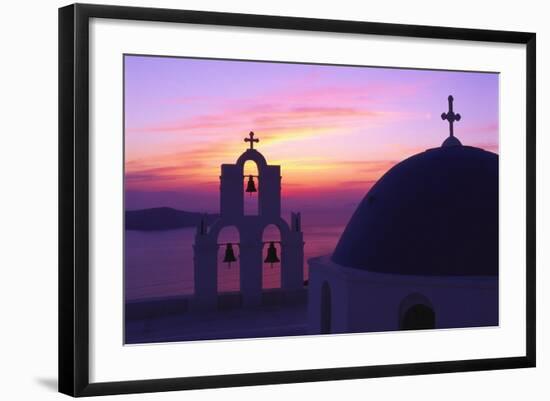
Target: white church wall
363,301
376,300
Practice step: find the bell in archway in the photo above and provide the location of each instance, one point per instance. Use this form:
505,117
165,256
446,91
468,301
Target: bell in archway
250,186
229,255
271,254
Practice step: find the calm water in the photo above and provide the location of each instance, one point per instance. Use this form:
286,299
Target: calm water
160,263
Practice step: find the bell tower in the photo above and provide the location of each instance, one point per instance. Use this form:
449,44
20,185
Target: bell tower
251,248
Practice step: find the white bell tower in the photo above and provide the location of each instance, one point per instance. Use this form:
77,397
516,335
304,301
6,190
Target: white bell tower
251,247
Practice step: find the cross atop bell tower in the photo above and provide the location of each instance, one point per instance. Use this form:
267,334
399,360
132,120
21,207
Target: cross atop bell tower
251,139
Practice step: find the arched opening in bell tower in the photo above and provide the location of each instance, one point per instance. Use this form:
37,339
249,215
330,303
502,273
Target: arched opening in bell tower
251,188
271,271
228,269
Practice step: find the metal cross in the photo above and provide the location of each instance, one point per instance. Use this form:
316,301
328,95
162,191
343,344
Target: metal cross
251,139
450,116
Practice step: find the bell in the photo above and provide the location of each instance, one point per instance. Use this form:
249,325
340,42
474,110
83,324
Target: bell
250,186
271,254
229,255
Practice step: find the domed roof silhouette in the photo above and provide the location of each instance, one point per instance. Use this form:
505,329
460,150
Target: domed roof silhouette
435,213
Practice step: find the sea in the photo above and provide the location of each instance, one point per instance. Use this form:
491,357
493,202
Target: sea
159,264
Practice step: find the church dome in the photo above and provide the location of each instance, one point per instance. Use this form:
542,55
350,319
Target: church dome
435,213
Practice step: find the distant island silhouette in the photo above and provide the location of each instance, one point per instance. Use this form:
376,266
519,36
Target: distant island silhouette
164,218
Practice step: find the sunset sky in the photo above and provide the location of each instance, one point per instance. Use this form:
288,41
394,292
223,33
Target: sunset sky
334,130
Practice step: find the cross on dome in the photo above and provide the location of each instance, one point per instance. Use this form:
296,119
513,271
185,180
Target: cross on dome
451,117
251,139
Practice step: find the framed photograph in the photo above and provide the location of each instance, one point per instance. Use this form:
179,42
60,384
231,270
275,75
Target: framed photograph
251,199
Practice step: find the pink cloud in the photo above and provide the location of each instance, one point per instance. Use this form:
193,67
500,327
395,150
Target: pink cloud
285,110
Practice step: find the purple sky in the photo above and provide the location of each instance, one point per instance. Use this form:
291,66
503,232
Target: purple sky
334,130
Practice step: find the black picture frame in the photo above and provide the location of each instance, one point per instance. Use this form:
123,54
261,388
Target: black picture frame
74,198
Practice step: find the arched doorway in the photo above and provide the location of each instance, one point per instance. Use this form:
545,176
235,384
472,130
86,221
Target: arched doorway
251,205
271,273
228,273
418,317
326,309
416,312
